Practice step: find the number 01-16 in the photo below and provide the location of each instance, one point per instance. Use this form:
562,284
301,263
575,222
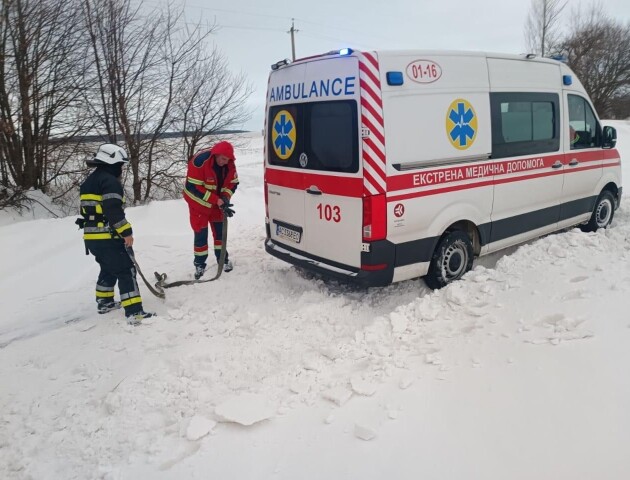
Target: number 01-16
329,213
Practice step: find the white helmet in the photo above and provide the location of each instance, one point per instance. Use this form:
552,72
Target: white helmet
110,154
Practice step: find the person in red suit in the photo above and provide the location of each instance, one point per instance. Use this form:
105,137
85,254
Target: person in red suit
210,183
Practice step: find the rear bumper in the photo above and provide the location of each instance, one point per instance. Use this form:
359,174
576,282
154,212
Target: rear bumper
364,278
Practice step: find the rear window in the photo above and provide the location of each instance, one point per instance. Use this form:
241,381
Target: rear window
319,136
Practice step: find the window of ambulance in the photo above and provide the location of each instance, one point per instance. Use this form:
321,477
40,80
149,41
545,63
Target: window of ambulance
585,131
325,137
524,123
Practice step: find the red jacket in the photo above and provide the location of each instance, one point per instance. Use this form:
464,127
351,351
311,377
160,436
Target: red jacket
206,181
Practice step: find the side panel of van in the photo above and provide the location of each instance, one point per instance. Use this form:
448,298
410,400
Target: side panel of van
526,108
438,147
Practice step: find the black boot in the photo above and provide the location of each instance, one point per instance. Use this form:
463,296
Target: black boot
104,306
136,318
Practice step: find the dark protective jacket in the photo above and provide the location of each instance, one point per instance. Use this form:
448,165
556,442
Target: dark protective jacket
102,205
206,182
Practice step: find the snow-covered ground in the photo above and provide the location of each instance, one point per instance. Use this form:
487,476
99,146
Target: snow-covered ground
518,371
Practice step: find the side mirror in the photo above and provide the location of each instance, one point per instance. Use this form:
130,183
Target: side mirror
609,137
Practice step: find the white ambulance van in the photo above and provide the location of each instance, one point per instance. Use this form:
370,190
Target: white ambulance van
390,165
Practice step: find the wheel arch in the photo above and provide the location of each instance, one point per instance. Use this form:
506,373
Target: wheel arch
614,189
471,229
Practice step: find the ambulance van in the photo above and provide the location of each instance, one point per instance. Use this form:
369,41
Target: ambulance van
390,165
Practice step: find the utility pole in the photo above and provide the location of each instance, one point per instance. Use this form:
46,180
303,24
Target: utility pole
292,32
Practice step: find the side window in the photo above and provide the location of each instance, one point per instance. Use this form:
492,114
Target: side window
584,129
524,123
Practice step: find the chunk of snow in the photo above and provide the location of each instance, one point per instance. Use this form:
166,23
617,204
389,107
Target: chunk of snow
362,387
245,409
338,395
399,322
364,431
199,427
405,382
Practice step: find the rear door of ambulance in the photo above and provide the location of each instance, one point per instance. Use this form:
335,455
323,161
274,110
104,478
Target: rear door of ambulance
313,173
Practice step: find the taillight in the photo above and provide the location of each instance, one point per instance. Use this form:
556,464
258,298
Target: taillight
374,218
266,199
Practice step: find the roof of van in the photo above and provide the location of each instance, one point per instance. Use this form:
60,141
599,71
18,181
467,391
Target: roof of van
394,53
509,56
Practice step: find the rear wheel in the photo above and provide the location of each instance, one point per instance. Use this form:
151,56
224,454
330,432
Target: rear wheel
452,258
602,213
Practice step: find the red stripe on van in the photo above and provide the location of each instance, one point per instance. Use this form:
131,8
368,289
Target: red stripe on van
285,178
590,156
374,182
372,59
374,162
454,188
370,73
379,153
368,92
329,184
373,156
437,176
610,154
374,131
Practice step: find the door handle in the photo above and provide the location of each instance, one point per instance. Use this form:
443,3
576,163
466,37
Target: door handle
313,190
573,162
558,164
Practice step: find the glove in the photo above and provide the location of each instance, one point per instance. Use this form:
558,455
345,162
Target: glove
226,209
80,222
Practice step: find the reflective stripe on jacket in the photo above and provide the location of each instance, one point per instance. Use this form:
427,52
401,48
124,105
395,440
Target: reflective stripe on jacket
102,207
206,182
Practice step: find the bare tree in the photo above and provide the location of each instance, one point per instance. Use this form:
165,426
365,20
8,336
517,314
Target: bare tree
212,100
598,51
42,63
144,63
542,26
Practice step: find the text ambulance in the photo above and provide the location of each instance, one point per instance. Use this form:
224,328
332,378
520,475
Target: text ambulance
390,165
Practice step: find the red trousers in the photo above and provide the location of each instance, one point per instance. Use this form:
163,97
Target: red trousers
199,221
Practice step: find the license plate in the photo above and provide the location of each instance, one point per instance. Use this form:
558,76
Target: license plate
288,233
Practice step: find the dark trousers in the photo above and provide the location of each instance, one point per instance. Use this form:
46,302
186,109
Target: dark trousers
116,267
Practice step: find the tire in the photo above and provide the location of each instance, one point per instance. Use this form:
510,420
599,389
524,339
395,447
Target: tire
603,213
453,257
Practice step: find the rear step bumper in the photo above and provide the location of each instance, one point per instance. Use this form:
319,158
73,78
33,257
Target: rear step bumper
372,278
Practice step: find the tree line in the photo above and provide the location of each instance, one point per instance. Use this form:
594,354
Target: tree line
72,68
595,45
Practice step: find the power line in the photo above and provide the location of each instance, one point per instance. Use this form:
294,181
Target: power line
336,28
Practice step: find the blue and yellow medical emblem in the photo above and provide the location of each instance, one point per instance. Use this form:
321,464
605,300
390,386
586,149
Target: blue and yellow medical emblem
461,124
283,134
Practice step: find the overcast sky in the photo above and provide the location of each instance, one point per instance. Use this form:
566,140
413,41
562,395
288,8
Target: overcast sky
253,33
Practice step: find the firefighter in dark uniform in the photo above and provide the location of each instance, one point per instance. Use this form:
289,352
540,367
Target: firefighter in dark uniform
107,233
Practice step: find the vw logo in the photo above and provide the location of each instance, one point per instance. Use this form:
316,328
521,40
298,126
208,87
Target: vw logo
303,159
